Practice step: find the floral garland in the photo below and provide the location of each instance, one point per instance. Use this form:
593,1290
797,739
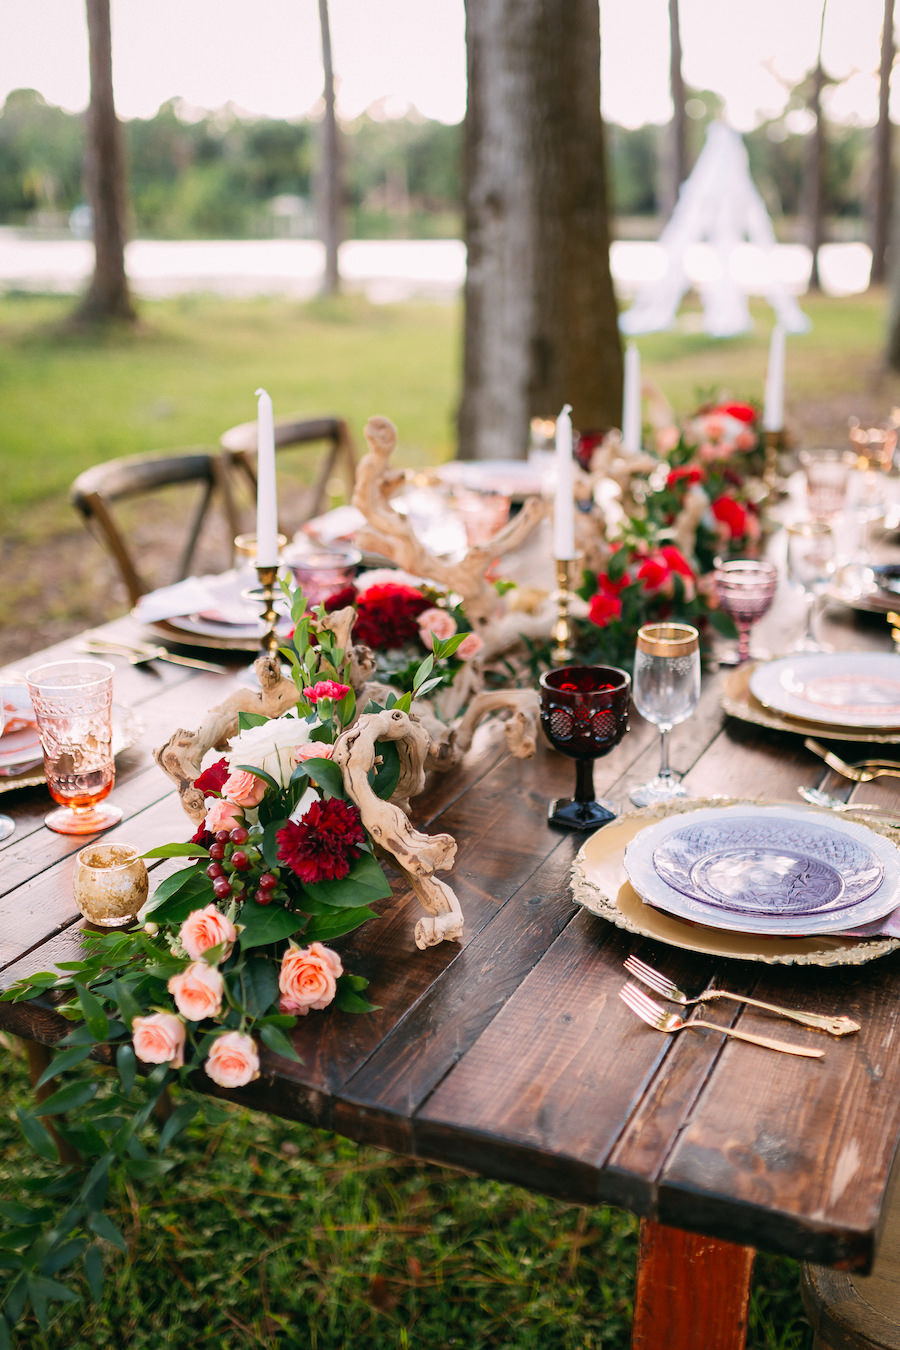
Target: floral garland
712,467
231,950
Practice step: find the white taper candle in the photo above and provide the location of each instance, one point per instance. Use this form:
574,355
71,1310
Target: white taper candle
631,400
266,491
564,503
773,409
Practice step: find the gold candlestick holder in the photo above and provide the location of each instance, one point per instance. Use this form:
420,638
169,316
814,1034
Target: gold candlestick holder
562,632
265,596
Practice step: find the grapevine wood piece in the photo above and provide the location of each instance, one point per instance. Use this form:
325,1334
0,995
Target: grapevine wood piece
511,1055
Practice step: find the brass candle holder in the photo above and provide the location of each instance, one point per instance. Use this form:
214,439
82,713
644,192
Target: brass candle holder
265,596
561,632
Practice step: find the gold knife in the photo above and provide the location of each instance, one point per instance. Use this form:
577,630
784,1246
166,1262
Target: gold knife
138,653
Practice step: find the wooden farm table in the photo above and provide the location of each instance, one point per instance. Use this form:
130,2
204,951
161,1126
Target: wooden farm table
510,1054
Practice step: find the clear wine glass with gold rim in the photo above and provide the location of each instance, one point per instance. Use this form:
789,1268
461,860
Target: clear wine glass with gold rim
666,688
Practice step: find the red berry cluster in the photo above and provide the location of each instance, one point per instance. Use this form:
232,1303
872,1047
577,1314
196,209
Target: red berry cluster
235,868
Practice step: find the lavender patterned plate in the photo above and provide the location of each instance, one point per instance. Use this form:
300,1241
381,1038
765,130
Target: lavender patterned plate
768,869
852,689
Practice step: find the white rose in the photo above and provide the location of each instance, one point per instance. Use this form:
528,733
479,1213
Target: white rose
270,747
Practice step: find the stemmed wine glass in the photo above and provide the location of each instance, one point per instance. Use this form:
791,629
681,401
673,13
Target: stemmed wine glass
811,562
666,690
746,589
584,713
7,824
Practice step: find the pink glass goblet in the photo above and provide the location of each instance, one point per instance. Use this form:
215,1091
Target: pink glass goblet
584,713
73,705
746,589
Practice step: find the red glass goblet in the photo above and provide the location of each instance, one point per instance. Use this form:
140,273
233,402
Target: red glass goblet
584,713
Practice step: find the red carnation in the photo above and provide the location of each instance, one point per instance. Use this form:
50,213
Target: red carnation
323,843
732,515
340,600
603,608
386,615
212,779
676,560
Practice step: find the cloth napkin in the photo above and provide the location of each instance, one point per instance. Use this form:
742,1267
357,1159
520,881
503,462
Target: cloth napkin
217,598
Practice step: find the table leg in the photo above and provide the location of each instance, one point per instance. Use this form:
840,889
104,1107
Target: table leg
692,1292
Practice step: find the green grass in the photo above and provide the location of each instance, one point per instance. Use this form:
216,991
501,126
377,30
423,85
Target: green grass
267,1234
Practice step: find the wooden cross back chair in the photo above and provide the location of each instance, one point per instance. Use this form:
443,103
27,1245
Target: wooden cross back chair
99,489
328,434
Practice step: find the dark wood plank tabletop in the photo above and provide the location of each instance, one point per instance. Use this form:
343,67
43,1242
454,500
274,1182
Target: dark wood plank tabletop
510,1053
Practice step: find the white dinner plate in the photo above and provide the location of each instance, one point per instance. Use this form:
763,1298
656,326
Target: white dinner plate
511,477
849,689
774,870
19,743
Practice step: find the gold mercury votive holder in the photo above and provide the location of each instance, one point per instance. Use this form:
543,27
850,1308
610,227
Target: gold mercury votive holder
110,884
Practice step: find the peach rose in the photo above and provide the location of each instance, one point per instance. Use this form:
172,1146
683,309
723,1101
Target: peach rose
197,991
222,815
233,1060
308,978
469,647
244,788
159,1039
206,928
435,623
312,750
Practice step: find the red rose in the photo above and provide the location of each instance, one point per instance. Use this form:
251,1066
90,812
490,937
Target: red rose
688,474
676,561
212,779
731,515
323,843
386,615
653,572
742,412
340,600
606,584
603,608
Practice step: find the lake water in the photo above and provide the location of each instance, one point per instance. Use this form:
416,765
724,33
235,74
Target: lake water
384,270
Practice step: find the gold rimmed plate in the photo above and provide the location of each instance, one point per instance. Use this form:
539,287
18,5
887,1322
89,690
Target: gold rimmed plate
738,701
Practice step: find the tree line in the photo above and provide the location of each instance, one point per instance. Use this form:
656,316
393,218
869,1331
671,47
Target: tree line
217,176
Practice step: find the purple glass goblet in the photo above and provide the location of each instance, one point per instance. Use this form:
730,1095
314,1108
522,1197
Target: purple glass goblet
584,713
746,588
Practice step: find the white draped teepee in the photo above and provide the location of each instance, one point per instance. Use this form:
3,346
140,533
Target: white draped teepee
719,205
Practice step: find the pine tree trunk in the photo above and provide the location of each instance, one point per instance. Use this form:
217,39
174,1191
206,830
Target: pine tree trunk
881,157
329,167
108,296
541,324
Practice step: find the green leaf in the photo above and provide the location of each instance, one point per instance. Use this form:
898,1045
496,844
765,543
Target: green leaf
63,1256
93,1269
324,927
423,671
177,851
269,846
95,1185
103,1227
178,896
126,1064
267,923
95,1017
325,774
277,1041
66,1059
150,1169
180,1118
258,983
261,773
251,719
5,1341
38,1136
128,1006
387,775
346,709
349,1001
363,884
446,647
68,1098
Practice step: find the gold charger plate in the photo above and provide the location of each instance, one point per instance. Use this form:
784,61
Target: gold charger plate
737,701
600,883
181,637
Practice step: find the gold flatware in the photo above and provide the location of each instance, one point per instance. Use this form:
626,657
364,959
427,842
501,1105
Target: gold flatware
138,653
657,1017
816,797
863,771
661,984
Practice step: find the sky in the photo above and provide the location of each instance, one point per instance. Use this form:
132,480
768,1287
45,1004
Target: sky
264,56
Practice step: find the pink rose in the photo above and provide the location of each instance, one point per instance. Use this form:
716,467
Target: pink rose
308,978
469,647
312,750
244,788
326,689
159,1039
222,815
206,928
233,1060
435,623
666,439
198,991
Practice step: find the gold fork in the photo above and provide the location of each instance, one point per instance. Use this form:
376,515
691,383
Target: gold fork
660,984
863,771
656,1016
